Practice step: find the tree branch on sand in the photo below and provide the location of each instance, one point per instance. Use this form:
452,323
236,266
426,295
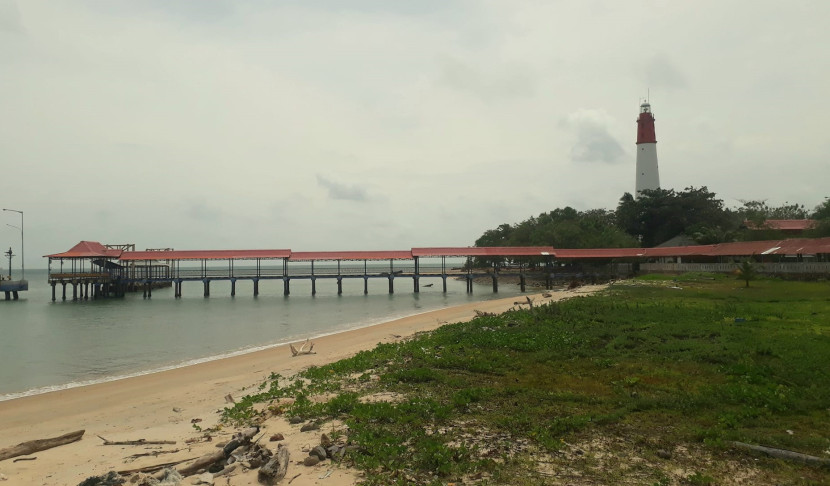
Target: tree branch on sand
302,350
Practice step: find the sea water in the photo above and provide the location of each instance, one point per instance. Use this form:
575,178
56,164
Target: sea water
47,345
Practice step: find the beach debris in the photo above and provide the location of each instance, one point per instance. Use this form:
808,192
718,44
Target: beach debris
547,295
785,454
277,437
325,440
295,477
177,410
484,314
276,468
139,442
147,454
195,421
229,398
206,478
309,426
204,462
327,474
111,478
32,446
311,461
25,459
302,350
428,285
3,477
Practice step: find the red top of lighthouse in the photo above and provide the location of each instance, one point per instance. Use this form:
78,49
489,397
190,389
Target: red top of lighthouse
645,125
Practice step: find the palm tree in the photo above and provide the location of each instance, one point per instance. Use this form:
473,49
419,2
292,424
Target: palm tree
747,271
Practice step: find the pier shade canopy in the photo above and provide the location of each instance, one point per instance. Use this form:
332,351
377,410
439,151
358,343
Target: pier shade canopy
484,251
87,249
350,255
205,255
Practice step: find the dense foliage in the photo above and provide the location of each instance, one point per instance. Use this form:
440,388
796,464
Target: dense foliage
653,218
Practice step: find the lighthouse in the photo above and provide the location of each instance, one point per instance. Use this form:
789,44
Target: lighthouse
648,176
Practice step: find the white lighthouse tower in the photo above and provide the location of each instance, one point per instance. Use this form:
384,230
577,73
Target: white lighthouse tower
648,176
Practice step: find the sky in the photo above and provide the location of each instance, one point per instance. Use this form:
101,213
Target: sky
381,125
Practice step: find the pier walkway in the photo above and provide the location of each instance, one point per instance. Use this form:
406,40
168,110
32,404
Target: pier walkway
93,270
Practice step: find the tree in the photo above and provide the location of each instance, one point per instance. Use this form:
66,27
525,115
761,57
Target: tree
661,214
747,272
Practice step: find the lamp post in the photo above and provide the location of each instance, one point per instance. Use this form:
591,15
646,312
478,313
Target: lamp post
22,252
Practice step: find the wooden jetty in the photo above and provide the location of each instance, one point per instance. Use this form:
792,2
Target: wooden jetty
93,270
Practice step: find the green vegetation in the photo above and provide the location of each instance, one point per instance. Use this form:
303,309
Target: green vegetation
645,384
653,218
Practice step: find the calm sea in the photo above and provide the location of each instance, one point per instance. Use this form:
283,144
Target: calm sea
47,345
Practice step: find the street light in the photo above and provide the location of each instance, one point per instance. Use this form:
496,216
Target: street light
22,253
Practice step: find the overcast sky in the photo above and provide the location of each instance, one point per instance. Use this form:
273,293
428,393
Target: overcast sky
376,124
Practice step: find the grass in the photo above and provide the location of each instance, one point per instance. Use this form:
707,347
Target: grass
535,395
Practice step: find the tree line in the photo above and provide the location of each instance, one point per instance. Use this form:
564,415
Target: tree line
655,217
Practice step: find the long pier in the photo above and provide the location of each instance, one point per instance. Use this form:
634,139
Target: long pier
96,271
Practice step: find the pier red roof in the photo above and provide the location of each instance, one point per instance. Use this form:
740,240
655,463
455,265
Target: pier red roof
482,251
350,255
87,249
205,255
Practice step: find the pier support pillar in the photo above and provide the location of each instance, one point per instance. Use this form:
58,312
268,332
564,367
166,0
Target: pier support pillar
74,291
391,284
207,287
64,290
14,294
365,285
286,286
53,291
149,290
469,284
415,283
313,285
522,282
444,280
495,284
233,287
256,287
339,285
8,295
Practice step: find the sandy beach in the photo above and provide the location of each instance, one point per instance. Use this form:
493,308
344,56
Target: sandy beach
161,406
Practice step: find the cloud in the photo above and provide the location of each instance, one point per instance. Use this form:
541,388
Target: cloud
594,142
488,84
343,192
661,72
10,17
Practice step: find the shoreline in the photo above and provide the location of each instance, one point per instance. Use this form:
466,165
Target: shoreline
161,406
4,397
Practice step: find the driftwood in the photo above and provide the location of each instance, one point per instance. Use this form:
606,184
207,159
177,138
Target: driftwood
275,469
302,350
785,454
139,442
484,314
29,447
25,459
154,468
154,454
222,454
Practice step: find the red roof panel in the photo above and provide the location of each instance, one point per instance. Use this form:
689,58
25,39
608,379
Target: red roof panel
482,251
87,249
783,224
205,255
351,255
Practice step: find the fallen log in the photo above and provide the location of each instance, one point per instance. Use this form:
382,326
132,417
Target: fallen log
29,447
209,459
784,454
275,469
138,442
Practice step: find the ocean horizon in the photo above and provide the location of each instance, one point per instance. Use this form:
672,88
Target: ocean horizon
48,346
